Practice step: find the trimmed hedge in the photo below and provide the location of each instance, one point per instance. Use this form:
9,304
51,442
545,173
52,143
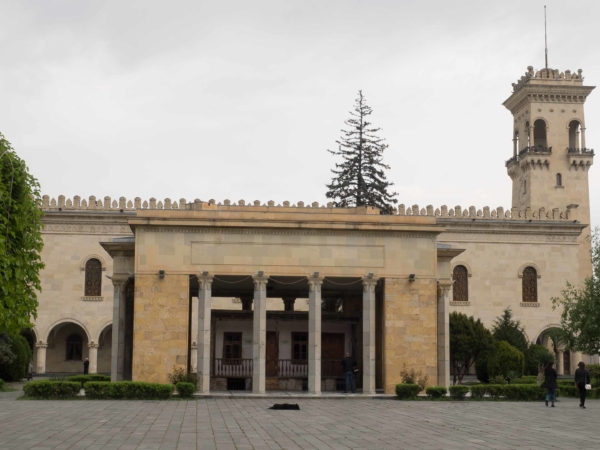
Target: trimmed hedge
522,392
436,391
525,380
478,390
85,378
51,389
185,390
458,392
1,384
130,390
406,391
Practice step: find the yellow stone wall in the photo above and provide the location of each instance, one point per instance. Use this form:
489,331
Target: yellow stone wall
410,329
160,326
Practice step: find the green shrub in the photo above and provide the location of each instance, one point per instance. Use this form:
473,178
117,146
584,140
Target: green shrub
130,390
523,392
458,391
478,390
495,391
186,390
594,370
179,375
570,391
498,379
51,389
436,391
414,377
535,356
525,380
1,384
16,370
406,391
83,379
481,367
504,360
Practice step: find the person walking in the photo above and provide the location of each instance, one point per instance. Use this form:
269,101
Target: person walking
30,372
86,366
349,364
582,377
550,383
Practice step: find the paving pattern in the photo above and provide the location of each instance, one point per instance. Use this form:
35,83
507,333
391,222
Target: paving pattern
348,423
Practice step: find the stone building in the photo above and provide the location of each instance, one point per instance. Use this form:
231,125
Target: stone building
261,296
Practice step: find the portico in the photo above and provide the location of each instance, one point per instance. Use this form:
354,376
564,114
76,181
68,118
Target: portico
371,283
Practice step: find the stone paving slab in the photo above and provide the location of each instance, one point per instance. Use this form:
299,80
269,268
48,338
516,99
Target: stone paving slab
240,423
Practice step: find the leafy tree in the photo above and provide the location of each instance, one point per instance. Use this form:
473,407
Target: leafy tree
468,339
360,179
6,354
17,369
509,330
580,317
20,241
536,357
506,360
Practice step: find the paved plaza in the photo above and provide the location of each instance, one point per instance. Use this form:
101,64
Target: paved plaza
347,423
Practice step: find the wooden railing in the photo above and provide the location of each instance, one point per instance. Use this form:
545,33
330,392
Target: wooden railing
233,367
285,368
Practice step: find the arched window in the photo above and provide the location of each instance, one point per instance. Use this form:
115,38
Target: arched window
74,347
524,186
93,278
460,288
558,179
516,148
574,134
539,135
527,134
530,277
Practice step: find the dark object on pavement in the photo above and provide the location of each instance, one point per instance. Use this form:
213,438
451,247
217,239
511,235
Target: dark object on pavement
290,406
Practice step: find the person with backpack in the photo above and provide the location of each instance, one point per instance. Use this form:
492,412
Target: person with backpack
550,383
349,364
582,377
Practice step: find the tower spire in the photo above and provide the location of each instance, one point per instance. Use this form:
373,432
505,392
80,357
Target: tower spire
545,37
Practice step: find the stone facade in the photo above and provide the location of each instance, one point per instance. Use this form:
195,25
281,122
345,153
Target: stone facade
393,274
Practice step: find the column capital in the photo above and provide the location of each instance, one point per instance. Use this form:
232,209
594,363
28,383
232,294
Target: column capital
260,282
369,283
93,345
314,283
205,280
119,281
41,345
444,285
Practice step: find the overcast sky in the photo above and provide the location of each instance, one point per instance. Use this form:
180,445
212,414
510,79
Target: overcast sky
241,100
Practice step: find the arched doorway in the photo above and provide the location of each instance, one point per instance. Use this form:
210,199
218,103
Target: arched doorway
105,350
67,348
31,337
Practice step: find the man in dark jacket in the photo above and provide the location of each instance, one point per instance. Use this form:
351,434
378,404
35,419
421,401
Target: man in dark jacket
582,377
86,366
550,377
349,364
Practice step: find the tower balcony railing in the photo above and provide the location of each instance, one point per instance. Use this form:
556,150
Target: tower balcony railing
580,151
535,150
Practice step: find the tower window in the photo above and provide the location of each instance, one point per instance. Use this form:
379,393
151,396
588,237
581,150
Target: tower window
530,285
574,134
539,135
558,179
524,186
460,288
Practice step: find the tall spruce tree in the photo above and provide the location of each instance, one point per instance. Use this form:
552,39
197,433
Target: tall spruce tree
360,178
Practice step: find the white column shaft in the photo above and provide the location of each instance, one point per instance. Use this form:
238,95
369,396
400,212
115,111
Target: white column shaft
314,334
117,356
560,364
368,327
41,358
93,358
204,316
443,330
259,335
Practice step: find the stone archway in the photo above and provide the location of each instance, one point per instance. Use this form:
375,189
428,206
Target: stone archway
105,350
67,348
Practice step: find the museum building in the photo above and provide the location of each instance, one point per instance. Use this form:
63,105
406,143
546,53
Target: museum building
258,296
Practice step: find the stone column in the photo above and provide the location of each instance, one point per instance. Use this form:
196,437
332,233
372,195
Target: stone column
314,334
515,150
259,333
443,332
41,357
582,137
117,356
560,364
204,316
368,329
93,357
531,141
288,303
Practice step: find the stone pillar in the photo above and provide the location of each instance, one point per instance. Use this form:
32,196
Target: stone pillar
288,303
368,339
443,332
259,334
314,334
117,356
582,137
246,303
560,364
204,316
515,150
531,141
41,357
93,357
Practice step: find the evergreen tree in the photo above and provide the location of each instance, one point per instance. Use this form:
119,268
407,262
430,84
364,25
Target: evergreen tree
360,179
509,330
469,339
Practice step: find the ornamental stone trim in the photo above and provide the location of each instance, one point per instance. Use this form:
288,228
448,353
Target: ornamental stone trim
92,298
530,304
460,303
